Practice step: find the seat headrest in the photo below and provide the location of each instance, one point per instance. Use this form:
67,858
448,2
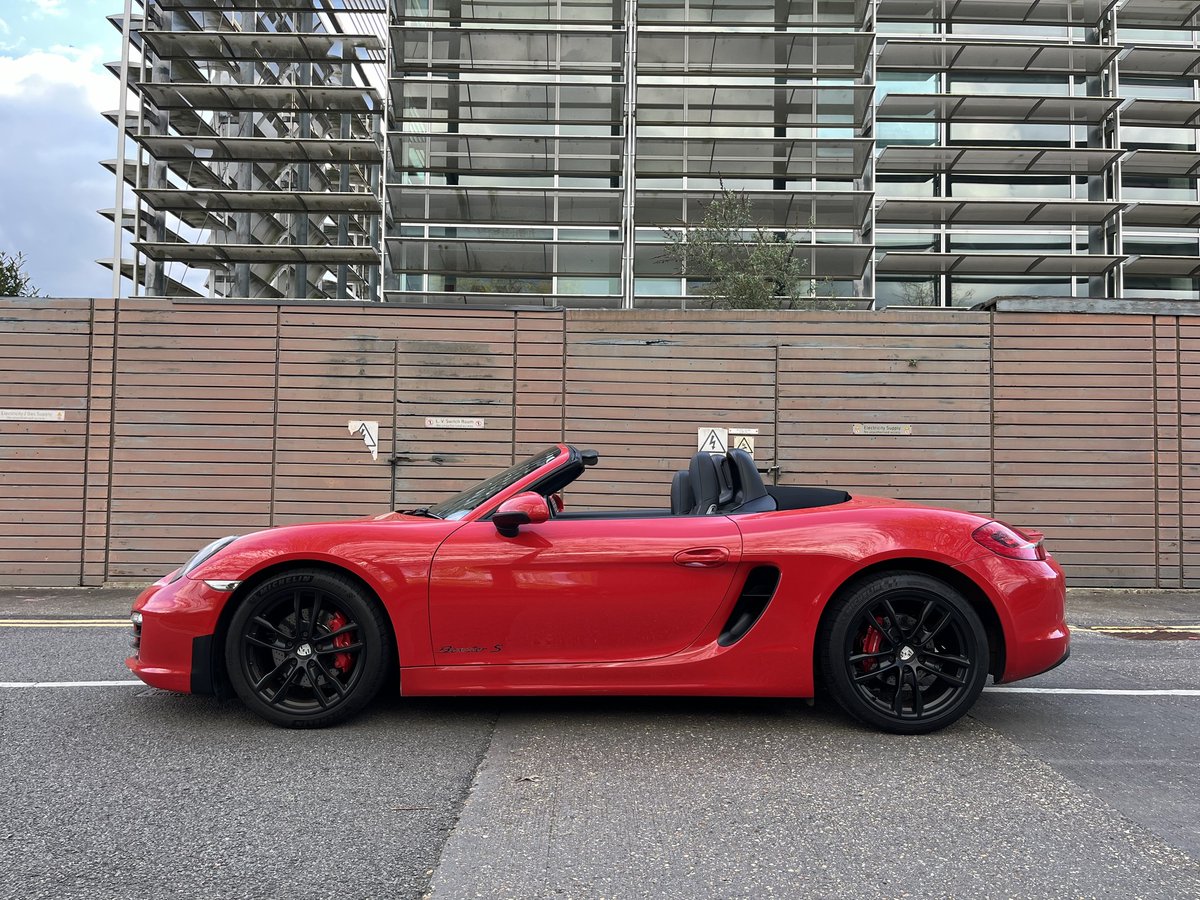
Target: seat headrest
747,483
711,484
682,498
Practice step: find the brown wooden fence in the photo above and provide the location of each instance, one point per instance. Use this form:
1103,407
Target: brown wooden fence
185,421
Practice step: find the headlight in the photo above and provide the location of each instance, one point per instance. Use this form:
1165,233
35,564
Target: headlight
205,553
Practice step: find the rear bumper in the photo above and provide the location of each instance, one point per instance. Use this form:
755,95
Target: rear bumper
175,645
1029,597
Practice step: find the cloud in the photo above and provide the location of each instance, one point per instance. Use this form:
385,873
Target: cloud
48,8
51,180
43,72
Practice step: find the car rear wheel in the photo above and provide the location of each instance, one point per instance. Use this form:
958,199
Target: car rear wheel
904,652
307,649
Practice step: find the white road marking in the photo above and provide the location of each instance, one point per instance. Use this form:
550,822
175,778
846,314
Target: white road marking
1135,629
1099,692
65,623
67,684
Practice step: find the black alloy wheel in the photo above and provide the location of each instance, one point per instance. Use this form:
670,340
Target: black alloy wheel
307,649
904,652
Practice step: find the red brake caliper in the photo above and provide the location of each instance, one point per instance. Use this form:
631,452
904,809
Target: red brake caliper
343,661
871,641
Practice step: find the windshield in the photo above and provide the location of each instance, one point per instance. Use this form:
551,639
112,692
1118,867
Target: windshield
473,497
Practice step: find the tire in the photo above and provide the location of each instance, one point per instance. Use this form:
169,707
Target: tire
903,652
314,675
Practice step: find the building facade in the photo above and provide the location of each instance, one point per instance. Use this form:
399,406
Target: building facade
532,152
250,149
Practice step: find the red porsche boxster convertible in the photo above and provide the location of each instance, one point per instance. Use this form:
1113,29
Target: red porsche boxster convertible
899,611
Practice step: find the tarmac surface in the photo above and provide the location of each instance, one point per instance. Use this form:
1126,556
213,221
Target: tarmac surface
1084,782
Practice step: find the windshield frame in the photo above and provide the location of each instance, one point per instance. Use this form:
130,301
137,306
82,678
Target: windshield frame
485,506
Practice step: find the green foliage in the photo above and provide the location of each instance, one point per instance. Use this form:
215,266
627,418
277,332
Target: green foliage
746,266
13,280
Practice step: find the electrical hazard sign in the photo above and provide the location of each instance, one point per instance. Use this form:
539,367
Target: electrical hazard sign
742,442
712,440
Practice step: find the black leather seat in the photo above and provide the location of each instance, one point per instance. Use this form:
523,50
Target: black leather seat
682,498
749,492
711,484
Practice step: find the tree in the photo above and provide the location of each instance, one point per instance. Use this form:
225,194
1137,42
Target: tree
746,265
13,280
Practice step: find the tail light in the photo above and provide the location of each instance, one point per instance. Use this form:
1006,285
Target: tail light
1004,540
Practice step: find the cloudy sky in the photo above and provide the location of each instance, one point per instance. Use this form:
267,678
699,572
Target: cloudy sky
53,87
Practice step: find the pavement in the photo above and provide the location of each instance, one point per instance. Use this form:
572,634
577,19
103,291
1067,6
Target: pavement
1082,782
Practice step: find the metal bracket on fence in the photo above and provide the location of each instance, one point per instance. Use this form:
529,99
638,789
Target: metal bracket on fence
773,471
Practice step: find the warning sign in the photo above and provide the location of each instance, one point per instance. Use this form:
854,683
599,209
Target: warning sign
743,442
369,432
712,440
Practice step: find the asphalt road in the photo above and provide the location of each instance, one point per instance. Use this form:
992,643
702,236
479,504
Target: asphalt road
125,791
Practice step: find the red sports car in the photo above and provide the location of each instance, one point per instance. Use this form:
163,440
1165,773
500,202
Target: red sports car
899,611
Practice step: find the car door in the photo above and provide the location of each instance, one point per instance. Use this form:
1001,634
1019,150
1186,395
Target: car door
579,590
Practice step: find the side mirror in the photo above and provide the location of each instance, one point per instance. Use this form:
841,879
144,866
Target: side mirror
527,508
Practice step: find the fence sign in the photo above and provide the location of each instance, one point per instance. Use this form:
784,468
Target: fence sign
881,428
32,415
712,440
370,434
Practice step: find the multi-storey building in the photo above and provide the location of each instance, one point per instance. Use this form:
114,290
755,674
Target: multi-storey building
915,152
253,149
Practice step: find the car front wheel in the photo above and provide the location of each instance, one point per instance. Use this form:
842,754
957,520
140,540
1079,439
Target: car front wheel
307,648
904,652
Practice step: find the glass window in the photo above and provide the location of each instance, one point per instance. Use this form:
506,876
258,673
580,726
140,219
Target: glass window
904,186
907,241
1038,242
1009,133
918,292
905,83
1009,188
1161,245
1139,138
658,287
1158,88
1140,187
966,292
1007,83
1162,288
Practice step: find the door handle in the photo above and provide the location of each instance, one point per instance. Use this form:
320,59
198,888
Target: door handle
702,557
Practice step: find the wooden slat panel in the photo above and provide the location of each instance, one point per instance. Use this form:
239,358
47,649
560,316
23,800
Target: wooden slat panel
639,386
1068,450
1168,520
1182,467
889,373
208,415
43,365
471,377
322,470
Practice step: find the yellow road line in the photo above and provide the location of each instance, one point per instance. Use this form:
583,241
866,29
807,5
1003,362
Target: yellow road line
64,623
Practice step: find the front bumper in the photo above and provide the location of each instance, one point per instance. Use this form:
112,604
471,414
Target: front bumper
174,646
1029,597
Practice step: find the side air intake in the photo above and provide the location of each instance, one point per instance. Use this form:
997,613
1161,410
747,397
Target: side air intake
756,594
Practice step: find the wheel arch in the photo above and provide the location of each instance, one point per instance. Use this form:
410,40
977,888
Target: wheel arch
961,582
220,678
